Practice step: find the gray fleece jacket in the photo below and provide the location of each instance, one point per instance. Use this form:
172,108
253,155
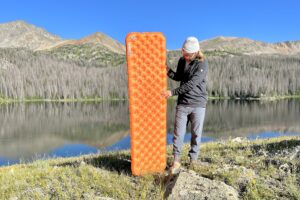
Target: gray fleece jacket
192,91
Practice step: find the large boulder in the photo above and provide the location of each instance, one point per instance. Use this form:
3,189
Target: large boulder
190,185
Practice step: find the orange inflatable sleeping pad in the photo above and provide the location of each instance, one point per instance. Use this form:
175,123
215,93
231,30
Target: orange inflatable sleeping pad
146,67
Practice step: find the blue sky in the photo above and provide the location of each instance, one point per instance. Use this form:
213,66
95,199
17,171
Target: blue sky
264,20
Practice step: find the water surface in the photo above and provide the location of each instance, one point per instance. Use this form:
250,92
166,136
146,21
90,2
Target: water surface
29,131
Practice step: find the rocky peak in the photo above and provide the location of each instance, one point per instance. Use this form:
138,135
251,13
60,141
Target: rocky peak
22,34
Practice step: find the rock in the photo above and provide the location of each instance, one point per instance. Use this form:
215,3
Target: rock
82,163
295,154
262,152
285,168
238,139
190,185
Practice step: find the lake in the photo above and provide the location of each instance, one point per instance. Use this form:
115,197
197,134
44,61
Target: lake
30,131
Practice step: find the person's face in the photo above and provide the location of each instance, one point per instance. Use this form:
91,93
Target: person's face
188,56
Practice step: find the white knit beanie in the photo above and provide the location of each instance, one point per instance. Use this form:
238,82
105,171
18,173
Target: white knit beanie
191,45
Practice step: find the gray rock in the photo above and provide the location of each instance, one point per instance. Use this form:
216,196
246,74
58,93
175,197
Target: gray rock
296,153
189,185
238,139
285,169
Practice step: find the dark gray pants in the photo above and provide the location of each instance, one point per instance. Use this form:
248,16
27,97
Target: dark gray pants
196,117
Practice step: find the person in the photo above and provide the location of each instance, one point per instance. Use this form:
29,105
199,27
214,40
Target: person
192,94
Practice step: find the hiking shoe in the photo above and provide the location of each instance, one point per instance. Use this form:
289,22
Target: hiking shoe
175,168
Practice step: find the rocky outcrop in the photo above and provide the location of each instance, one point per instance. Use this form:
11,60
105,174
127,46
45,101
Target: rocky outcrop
189,185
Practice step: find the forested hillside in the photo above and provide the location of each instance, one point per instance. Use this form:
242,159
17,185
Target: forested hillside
35,64
24,74
27,74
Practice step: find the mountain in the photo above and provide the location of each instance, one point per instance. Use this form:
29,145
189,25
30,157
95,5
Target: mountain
99,49
224,46
228,46
87,54
94,39
248,46
288,47
22,34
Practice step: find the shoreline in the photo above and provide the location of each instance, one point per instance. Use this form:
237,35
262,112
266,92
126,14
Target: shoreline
258,169
210,140
270,98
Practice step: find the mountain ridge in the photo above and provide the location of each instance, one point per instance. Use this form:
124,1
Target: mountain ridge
22,34
95,38
249,46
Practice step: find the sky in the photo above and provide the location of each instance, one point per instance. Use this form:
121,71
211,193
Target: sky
263,20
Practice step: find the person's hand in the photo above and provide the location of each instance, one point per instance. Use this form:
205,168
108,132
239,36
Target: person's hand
168,68
166,93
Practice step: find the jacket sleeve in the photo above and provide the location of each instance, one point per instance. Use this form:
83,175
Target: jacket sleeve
196,79
176,76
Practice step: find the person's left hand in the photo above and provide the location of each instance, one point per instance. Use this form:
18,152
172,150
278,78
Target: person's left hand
166,93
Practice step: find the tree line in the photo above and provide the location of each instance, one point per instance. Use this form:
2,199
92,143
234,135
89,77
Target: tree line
27,74
247,76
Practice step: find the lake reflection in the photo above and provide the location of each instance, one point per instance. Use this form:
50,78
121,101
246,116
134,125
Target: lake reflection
35,130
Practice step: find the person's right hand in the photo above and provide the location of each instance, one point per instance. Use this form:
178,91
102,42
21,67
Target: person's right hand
168,68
